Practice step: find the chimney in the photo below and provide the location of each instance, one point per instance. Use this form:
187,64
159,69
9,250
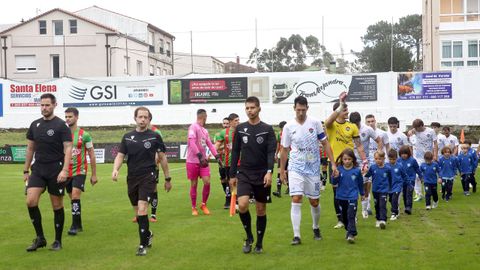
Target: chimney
238,59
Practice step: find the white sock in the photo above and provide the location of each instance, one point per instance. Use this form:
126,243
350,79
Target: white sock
296,216
418,187
365,205
315,215
368,203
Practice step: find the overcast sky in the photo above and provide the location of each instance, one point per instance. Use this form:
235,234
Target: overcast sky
226,29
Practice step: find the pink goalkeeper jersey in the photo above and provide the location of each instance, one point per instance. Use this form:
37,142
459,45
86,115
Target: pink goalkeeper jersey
198,141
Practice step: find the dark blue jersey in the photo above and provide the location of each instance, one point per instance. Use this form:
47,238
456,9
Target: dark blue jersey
350,184
430,172
381,178
399,177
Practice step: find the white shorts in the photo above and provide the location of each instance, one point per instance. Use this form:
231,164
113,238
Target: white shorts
304,185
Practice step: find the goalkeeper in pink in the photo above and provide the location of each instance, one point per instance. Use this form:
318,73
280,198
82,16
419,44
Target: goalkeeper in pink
197,160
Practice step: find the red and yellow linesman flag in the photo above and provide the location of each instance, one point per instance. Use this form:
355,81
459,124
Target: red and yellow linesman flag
233,201
462,136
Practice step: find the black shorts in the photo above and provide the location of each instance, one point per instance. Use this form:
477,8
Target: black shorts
252,183
141,187
45,176
77,181
324,161
224,173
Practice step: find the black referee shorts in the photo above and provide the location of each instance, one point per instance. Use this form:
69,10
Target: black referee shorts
251,182
141,187
76,181
44,175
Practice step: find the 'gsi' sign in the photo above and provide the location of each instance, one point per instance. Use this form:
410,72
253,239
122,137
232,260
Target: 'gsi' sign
107,92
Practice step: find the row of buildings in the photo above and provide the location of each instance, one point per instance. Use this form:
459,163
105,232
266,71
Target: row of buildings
96,42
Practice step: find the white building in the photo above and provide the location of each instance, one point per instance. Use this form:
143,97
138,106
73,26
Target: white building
451,34
60,43
186,63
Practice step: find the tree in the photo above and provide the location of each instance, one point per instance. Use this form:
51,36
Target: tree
378,48
291,54
410,29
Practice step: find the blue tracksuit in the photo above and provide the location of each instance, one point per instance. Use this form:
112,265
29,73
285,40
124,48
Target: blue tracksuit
381,178
399,177
430,173
474,156
448,167
411,168
465,163
381,184
350,184
448,170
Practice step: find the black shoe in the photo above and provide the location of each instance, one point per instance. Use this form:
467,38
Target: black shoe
150,240
474,188
408,211
296,241
277,194
38,242
316,234
56,246
72,231
443,196
369,211
226,206
258,249
247,246
141,251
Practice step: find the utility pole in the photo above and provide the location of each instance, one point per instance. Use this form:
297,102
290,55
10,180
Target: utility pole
191,49
391,49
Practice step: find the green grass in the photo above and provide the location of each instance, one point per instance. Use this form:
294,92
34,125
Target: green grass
445,238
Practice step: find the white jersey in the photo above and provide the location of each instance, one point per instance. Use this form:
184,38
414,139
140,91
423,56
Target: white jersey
443,141
422,142
303,142
397,140
374,146
366,134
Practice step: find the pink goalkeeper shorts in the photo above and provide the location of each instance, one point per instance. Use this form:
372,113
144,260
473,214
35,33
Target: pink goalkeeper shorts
194,171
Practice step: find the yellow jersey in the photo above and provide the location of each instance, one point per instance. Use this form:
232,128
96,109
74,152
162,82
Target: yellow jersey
340,136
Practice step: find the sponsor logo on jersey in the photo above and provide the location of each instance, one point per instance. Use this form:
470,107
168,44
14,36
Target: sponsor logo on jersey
50,132
245,139
310,130
259,140
347,128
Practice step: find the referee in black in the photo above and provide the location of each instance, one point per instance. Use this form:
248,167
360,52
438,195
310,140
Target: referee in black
254,144
141,146
50,139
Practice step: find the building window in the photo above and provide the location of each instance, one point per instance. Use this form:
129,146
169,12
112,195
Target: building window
459,10
164,72
446,49
472,63
42,25
159,71
58,28
473,48
139,68
161,46
446,64
457,50
152,70
25,63
73,26
168,49
473,10
458,63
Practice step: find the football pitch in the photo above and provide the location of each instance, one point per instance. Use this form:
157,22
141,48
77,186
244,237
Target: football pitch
444,238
